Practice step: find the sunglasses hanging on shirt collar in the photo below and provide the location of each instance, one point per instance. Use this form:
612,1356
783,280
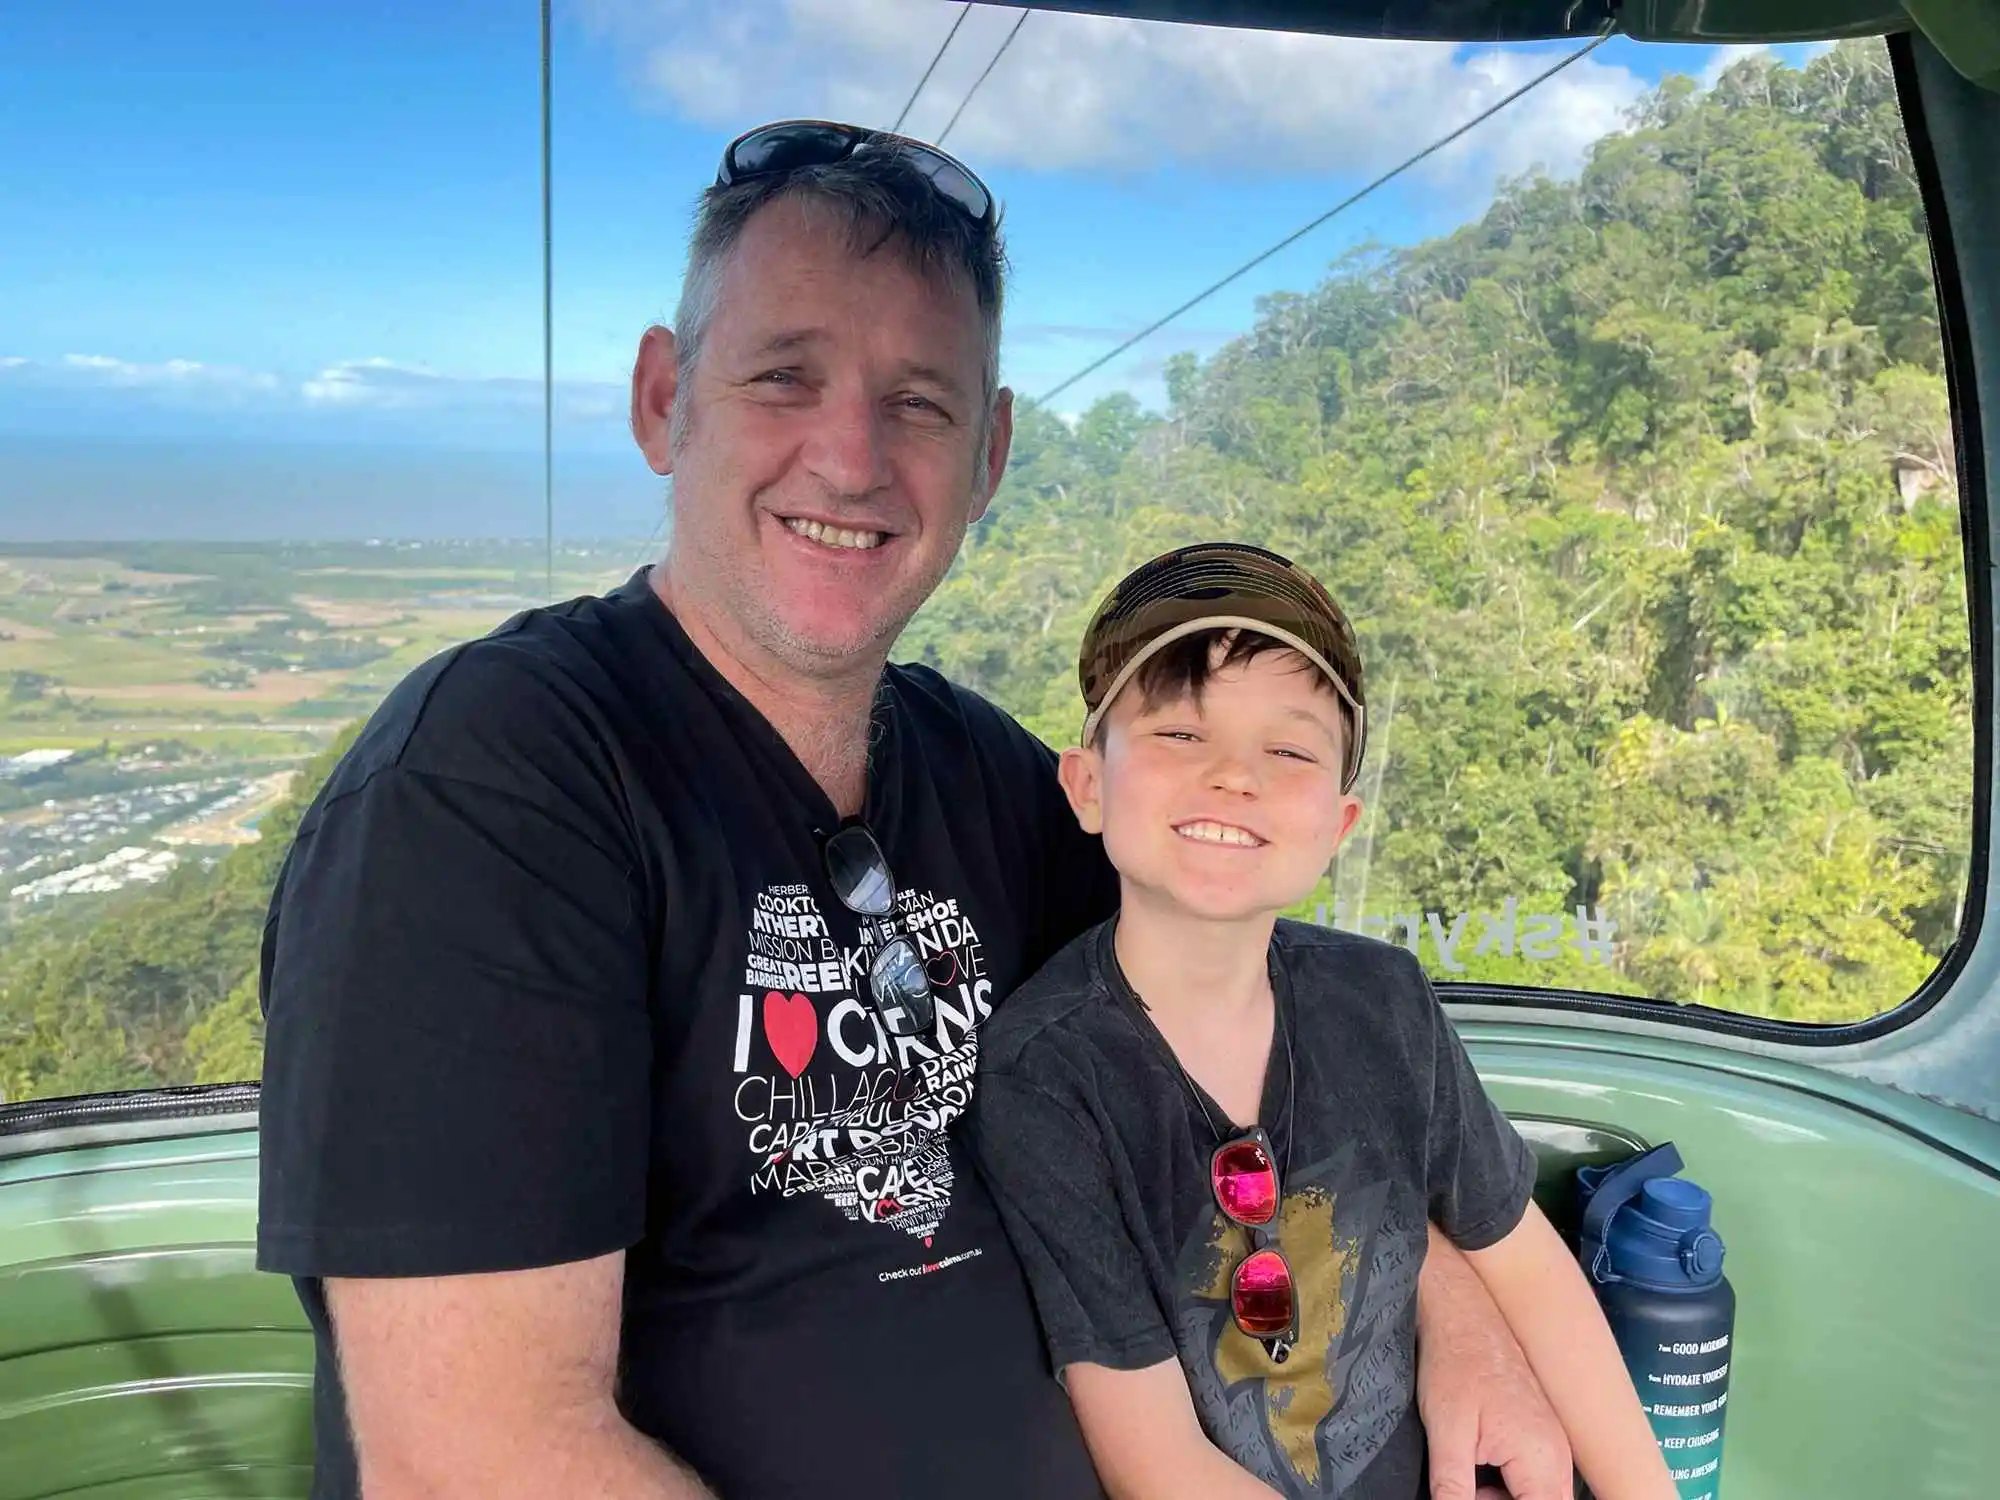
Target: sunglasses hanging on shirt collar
859,874
1244,1181
1263,1298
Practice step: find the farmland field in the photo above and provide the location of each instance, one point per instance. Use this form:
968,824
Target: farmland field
154,698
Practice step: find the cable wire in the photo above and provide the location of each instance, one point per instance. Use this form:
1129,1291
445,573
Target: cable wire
936,57
990,66
1341,207
548,337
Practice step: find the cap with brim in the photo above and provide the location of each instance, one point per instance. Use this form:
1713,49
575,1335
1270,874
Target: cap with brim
1220,586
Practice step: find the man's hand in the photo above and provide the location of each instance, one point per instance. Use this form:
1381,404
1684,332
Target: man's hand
1479,1400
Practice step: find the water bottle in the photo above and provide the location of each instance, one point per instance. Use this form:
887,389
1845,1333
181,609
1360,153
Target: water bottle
1656,1266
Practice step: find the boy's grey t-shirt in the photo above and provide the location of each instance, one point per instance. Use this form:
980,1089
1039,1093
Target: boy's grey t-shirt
1097,1151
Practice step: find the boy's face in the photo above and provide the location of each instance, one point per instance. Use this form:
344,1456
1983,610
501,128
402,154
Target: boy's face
1226,809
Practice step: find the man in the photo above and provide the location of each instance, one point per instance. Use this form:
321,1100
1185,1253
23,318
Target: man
624,978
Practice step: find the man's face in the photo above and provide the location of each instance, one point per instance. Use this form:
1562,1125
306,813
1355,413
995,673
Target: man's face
1226,808
824,474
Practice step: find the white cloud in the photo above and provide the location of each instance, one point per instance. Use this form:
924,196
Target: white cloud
1091,92
345,387
177,373
385,385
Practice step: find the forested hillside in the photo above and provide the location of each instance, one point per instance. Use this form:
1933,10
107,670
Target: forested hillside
1640,490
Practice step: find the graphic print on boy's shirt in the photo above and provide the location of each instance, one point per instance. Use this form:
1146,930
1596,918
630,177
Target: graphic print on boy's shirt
831,1103
1316,1422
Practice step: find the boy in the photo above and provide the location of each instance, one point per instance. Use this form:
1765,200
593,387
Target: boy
1218,1138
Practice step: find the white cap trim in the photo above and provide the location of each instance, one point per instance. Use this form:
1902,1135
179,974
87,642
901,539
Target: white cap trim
1232,622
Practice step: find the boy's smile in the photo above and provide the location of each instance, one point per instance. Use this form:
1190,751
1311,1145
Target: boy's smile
1226,806
1208,831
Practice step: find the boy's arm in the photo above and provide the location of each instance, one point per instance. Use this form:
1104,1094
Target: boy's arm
1147,1443
1542,1292
1050,1170
1482,1177
1039,1147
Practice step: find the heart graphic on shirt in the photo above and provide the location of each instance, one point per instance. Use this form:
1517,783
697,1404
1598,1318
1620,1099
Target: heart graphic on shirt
792,1028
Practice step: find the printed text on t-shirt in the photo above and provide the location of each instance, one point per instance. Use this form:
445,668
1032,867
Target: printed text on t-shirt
848,1111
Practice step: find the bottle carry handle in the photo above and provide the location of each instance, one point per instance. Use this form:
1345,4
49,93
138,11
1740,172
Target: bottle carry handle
1611,1188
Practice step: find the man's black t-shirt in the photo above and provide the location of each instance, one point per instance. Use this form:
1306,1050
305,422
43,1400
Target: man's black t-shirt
1097,1146
553,970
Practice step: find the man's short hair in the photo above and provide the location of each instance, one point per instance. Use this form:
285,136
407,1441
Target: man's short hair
878,200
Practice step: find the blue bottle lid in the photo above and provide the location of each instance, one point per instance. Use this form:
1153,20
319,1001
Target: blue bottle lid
1644,1225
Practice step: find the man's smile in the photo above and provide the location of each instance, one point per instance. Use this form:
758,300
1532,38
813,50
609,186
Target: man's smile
846,538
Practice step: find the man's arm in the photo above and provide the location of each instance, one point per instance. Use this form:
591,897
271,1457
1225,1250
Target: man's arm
494,1386
1146,1441
1541,1291
455,1118
1479,1399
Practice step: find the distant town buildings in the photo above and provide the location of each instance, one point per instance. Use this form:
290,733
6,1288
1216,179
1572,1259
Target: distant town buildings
59,847
30,761
130,865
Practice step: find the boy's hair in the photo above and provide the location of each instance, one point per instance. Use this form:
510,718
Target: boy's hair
1182,668
1219,586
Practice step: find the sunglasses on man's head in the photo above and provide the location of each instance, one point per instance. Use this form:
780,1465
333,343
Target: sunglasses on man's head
859,875
788,145
1243,1175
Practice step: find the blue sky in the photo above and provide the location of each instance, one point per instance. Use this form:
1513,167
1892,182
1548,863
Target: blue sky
319,223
